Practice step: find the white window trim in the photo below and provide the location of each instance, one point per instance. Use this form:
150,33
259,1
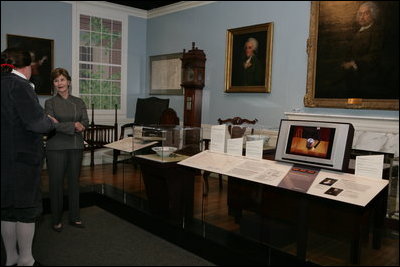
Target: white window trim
93,10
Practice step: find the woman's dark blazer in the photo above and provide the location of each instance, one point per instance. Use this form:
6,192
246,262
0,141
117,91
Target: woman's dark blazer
67,112
23,121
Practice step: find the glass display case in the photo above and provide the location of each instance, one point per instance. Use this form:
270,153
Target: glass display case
166,143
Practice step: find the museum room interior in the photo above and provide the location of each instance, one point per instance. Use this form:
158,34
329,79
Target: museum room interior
208,132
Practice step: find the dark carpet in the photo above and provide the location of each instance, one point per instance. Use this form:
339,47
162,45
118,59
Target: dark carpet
107,240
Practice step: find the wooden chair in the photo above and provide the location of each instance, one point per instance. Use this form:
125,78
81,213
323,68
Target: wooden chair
234,132
148,112
169,118
97,135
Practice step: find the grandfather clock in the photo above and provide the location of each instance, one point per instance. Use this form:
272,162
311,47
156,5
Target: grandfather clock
193,74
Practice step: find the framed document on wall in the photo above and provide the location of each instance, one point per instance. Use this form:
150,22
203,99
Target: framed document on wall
165,74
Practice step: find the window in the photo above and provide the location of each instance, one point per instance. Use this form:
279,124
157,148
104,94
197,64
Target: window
99,50
100,62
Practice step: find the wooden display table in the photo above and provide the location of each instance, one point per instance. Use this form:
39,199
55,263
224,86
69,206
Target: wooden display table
169,187
334,203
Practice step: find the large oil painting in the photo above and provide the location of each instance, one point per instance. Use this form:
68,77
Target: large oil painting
42,60
249,59
353,55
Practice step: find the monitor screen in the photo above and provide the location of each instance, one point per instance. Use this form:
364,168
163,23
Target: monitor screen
310,141
315,143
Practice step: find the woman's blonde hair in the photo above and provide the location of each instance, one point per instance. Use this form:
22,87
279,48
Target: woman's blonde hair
60,71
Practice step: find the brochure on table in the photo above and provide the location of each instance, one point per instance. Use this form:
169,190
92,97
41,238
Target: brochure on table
328,184
129,144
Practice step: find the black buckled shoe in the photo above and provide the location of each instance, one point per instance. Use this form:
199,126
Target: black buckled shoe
57,229
78,224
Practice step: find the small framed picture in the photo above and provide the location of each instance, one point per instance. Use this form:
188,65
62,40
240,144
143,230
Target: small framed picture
328,181
333,191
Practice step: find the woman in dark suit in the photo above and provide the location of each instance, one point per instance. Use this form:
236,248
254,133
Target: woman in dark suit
64,149
22,123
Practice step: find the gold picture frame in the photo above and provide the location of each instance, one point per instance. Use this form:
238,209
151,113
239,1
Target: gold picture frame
334,27
249,59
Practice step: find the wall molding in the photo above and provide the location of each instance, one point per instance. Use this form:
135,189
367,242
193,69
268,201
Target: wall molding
360,123
137,12
120,8
183,5
378,134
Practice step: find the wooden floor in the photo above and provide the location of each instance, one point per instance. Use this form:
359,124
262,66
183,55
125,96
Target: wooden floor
321,249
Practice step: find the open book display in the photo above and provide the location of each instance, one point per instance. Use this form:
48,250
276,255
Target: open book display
167,143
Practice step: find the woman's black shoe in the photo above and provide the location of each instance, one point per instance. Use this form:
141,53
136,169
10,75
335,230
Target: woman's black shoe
57,229
76,224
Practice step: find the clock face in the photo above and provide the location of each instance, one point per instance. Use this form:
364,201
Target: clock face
189,74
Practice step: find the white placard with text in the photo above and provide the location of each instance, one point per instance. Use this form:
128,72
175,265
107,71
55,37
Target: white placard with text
369,166
254,149
218,138
234,146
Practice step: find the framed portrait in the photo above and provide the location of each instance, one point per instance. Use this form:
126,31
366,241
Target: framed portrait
249,59
165,74
42,52
353,55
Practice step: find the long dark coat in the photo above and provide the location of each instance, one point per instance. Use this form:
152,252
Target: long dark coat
22,123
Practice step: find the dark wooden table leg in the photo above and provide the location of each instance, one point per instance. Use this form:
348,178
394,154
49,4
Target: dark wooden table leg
379,219
355,244
355,249
302,230
206,174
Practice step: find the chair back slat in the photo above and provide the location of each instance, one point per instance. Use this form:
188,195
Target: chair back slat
234,124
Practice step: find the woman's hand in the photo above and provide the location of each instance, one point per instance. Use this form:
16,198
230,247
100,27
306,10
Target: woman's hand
79,127
53,119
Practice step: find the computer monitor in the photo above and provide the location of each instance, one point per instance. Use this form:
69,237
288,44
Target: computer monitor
315,143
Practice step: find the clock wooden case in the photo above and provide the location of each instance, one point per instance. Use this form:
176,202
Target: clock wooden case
193,76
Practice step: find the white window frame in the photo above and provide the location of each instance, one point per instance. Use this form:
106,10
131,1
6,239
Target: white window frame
98,11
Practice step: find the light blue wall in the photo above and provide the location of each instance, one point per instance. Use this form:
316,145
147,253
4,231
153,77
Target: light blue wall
43,19
207,25
137,62
53,20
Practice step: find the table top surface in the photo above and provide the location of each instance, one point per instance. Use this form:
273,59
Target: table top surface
328,184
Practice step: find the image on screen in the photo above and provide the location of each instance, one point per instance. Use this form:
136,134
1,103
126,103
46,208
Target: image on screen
310,141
